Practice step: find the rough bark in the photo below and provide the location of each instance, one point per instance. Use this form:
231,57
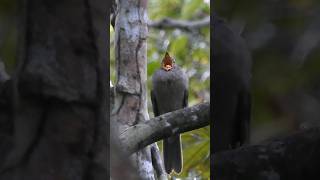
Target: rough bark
121,166
294,157
52,108
130,105
98,12
166,125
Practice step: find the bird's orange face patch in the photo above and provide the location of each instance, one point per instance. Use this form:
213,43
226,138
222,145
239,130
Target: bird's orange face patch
167,62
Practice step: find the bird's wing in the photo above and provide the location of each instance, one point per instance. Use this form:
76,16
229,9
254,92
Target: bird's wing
154,104
185,98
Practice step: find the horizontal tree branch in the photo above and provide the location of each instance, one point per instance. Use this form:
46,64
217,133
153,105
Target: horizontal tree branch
166,125
294,157
180,24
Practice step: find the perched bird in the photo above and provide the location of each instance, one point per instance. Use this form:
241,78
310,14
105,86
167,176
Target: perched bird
170,93
230,88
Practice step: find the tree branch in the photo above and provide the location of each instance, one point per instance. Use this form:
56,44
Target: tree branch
294,157
157,162
180,24
166,125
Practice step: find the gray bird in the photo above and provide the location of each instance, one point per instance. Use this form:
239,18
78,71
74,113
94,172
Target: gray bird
230,89
170,93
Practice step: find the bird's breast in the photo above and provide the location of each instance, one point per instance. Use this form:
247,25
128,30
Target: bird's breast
169,88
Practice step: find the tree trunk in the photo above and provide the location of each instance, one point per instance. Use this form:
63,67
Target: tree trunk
53,108
131,91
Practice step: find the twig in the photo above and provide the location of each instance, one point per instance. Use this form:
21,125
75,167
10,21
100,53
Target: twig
180,24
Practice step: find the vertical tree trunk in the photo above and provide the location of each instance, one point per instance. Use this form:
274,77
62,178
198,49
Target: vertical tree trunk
131,63
58,109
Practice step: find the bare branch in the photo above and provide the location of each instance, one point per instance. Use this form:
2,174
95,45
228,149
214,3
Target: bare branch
166,125
180,24
294,157
157,162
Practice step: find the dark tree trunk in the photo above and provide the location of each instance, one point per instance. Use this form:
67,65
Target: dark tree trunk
294,157
53,110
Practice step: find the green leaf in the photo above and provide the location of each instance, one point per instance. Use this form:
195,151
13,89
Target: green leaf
190,7
179,46
152,67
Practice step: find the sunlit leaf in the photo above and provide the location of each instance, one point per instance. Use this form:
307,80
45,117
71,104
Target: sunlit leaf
190,7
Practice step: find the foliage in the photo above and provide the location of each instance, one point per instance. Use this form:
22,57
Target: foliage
8,33
191,51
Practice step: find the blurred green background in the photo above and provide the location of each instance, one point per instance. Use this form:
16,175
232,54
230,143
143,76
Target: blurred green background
191,51
8,33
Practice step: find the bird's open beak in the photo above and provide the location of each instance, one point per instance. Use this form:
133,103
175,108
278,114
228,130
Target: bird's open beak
167,67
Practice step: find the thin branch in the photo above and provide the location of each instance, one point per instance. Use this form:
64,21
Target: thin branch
180,24
166,125
293,157
156,161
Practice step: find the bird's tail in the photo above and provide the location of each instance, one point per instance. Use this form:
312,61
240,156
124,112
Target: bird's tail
172,154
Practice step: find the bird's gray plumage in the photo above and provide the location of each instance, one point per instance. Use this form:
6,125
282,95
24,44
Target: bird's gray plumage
230,88
170,93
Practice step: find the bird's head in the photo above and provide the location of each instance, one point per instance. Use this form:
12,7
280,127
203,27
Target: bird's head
167,62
